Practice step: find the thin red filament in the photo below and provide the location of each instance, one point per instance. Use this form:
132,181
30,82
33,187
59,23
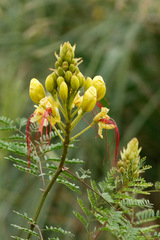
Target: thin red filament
29,128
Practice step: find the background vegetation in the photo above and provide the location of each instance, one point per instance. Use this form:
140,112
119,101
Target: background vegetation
117,39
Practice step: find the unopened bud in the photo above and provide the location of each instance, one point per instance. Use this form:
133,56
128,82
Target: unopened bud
60,71
88,83
36,91
72,68
68,76
74,83
89,99
63,49
135,175
65,65
99,84
59,81
57,65
81,79
120,163
50,82
63,91
122,170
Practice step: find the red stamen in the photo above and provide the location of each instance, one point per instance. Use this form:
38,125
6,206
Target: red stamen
29,128
99,104
111,121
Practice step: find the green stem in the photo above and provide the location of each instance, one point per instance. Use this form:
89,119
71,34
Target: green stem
58,133
55,176
76,120
75,112
77,135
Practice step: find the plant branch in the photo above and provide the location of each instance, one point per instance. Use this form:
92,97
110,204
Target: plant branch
55,176
77,135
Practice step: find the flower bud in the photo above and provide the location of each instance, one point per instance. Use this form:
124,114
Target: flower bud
59,81
60,71
63,50
99,84
120,163
81,79
74,83
74,61
65,65
122,170
72,68
60,61
36,91
88,83
68,76
89,99
67,52
68,57
76,70
57,65
50,82
63,91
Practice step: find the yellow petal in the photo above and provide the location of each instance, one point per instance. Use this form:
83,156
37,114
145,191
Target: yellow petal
102,114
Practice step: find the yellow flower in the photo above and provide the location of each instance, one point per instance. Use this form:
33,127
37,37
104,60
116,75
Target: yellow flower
107,124
36,91
89,99
99,84
47,111
102,114
104,121
77,100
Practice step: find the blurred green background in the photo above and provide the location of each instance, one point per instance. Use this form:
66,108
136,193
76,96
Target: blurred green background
118,39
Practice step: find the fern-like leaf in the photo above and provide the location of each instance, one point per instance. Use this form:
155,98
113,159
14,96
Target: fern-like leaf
25,230
27,170
21,161
53,239
70,185
59,230
136,203
17,238
146,215
81,218
83,207
25,216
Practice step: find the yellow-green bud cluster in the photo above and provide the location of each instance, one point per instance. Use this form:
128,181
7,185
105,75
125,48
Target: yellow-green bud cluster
66,81
129,163
66,73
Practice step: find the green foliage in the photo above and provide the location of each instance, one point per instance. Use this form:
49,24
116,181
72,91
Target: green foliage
114,207
113,203
59,230
26,230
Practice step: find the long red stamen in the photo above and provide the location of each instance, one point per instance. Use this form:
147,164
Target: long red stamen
99,104
111,121
29,128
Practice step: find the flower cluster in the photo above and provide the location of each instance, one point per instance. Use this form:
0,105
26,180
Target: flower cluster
71,95
129,163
